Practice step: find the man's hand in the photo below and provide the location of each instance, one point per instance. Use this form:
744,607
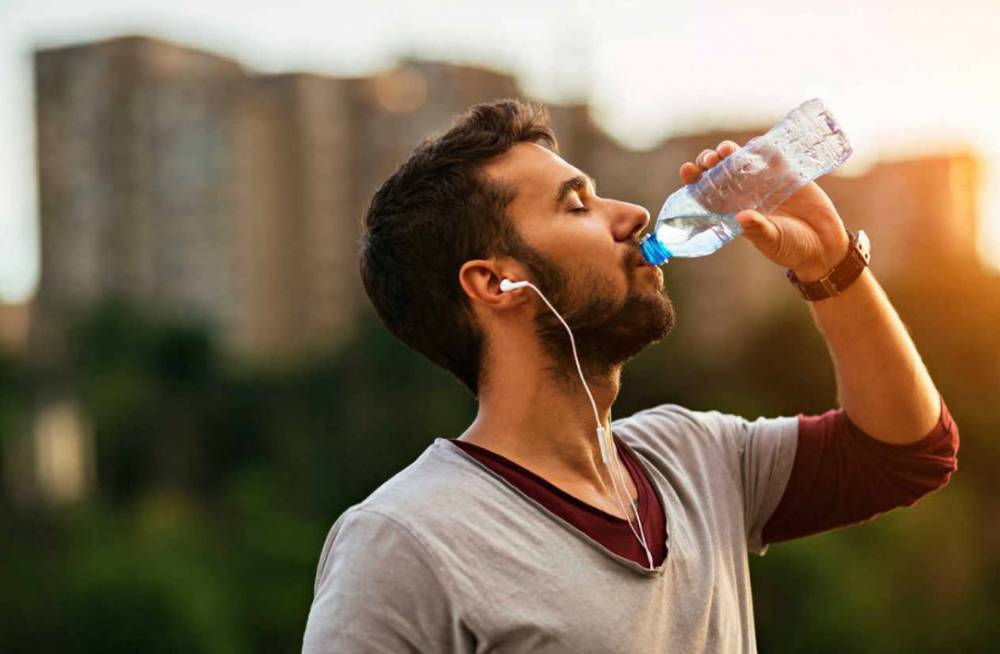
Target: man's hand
805,234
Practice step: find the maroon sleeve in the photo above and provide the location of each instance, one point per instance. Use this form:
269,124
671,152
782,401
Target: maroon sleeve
843,476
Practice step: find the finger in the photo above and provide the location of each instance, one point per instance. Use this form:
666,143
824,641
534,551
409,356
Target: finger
702,158
759,230
726,148
711,159
690,173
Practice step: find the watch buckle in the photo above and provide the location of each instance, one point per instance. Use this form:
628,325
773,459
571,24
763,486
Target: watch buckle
829,287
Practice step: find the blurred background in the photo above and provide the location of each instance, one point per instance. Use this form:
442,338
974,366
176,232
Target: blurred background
193,386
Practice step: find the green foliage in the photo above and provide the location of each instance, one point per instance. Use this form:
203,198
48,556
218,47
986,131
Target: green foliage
216,486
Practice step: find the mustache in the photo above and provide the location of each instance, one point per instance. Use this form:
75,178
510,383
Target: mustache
633,257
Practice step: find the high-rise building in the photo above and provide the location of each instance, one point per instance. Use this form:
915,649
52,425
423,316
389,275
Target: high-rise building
293,216
134,162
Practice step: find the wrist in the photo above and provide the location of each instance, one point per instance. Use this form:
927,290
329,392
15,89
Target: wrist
812,273
819,283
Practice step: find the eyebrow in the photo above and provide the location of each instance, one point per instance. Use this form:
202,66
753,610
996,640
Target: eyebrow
574,184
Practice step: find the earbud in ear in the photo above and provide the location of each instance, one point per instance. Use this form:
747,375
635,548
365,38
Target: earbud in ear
506,285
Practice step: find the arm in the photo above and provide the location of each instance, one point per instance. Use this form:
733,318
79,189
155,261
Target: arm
881,381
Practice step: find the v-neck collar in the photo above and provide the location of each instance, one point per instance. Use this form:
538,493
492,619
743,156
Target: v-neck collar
629,563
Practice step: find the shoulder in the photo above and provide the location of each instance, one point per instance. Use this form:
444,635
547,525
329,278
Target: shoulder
401,512
435,480
672,425
670,432
676,423
416,505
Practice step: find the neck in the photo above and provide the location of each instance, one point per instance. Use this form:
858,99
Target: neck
540,417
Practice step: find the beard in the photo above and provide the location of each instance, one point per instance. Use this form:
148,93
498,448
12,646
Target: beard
608,330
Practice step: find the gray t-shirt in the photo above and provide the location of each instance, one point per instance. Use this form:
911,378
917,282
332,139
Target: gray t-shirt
447,556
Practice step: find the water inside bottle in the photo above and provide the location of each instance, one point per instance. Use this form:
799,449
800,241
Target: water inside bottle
698,235
684,228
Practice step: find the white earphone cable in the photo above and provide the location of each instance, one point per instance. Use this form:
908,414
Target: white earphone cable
607,453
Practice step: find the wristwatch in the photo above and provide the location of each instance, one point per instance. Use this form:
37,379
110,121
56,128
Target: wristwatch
840,276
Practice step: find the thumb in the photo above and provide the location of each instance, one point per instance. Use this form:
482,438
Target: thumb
758,229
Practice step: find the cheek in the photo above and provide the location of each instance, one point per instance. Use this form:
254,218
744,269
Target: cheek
603,258
589,257
595,244
601,279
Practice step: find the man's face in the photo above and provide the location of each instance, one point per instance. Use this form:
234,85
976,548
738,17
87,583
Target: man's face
582,251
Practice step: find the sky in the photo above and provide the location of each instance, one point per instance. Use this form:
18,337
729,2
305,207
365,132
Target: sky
903,78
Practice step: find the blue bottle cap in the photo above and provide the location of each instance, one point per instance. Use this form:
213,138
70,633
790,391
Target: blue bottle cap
654,251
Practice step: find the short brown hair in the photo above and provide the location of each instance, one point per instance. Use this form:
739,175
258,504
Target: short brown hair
437,211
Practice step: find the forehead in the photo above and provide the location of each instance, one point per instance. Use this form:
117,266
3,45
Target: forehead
534,171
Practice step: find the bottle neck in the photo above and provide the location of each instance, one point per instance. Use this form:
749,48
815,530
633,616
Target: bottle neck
653,251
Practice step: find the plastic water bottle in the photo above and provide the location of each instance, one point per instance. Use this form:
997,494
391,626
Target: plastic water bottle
699,218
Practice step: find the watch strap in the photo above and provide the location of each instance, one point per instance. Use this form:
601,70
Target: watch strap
840,276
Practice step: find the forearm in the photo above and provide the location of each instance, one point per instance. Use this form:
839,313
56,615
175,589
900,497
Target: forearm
882,382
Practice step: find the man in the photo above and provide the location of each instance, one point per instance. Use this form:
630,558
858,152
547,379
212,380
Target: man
511,538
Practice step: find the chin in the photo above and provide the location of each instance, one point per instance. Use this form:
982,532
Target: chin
644,319
654,318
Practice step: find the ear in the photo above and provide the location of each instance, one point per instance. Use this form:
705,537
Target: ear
480,279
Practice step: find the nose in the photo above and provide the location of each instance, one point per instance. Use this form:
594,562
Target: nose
630,220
